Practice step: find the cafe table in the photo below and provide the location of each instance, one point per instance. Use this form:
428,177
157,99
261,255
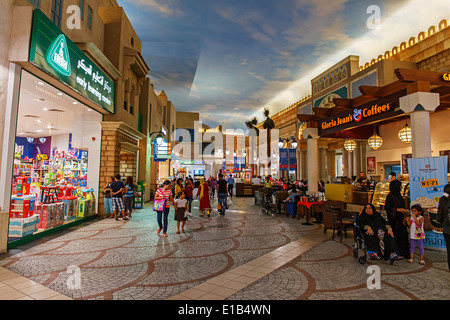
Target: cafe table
308,207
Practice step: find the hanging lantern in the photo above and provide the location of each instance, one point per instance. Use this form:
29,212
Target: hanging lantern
350,145
375,142
405,134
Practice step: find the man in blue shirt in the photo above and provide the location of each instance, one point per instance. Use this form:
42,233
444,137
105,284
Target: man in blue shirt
230,182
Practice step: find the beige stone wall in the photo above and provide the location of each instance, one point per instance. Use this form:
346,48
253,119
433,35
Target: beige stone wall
439,62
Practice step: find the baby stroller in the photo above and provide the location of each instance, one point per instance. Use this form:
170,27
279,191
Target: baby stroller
360,244
268,207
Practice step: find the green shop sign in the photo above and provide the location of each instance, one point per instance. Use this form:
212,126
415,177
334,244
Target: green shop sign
52,51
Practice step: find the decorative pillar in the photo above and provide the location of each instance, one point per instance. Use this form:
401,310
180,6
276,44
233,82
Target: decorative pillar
362,155
304,165
323,163
356,160
345,156
331,165
419,105
312,137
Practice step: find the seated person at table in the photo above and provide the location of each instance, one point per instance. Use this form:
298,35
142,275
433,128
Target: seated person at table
293,194
377,234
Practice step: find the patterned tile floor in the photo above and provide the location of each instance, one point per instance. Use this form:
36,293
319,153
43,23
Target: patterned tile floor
243,255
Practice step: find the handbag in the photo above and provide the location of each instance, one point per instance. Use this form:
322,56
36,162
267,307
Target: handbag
159,205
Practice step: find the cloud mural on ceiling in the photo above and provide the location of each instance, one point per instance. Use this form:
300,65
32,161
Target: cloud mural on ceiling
230,59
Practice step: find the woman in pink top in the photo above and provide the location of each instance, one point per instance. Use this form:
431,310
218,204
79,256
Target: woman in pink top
164,192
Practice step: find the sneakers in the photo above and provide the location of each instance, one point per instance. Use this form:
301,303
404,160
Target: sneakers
165,235
159,231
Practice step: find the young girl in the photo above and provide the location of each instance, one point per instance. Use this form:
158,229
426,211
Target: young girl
181,207
129,195
417,233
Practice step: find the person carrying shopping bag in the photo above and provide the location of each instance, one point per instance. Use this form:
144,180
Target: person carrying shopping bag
164,193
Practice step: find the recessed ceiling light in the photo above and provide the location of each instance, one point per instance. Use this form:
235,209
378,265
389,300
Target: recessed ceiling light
40,83
89,109
59,94
38,131
39,121
74,102
45,109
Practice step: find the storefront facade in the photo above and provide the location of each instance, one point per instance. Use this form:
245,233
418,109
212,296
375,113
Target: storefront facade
61,139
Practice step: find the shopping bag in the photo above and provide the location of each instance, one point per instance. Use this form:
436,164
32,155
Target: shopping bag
219,206
229,203
159,205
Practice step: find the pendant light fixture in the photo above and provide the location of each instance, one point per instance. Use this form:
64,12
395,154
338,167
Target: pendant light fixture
405,134
350,145
375,141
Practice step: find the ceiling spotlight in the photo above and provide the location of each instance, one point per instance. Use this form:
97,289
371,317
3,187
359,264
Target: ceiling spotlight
59,94
40,83
74,102
45,109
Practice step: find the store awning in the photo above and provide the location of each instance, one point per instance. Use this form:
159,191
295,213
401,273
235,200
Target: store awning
354,118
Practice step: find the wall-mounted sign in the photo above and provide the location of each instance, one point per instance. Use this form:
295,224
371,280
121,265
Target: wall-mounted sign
446,77
376,110
57,55
161,151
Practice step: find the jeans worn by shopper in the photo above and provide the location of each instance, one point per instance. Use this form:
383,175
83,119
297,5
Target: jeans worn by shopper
223,201
163,219
189,200
108,206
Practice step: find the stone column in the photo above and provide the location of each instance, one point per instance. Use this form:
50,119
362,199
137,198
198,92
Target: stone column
356,160
362,155
331,164
304,165
322,163
345,156
419,105
313,156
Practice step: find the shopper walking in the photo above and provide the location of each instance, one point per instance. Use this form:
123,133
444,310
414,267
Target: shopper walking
129,196
396,209
181,207
230,185
213,184
222,192
189,191
107,191
117,193
417,233
178,186
203,194
444,218
162,217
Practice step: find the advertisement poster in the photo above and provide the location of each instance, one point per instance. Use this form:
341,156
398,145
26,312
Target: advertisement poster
371,165
427,179
283,159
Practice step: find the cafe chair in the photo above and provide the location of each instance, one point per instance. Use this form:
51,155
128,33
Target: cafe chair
333,219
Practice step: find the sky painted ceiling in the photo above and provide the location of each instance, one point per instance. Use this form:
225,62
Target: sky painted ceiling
230,59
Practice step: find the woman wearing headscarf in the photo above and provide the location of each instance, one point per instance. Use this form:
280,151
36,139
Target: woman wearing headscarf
377,234
396,209
203,193
444,218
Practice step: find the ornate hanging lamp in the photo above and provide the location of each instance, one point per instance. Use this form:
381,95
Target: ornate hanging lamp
350,145
405,134
375,141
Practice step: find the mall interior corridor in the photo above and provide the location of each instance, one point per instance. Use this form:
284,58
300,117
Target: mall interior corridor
243,255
